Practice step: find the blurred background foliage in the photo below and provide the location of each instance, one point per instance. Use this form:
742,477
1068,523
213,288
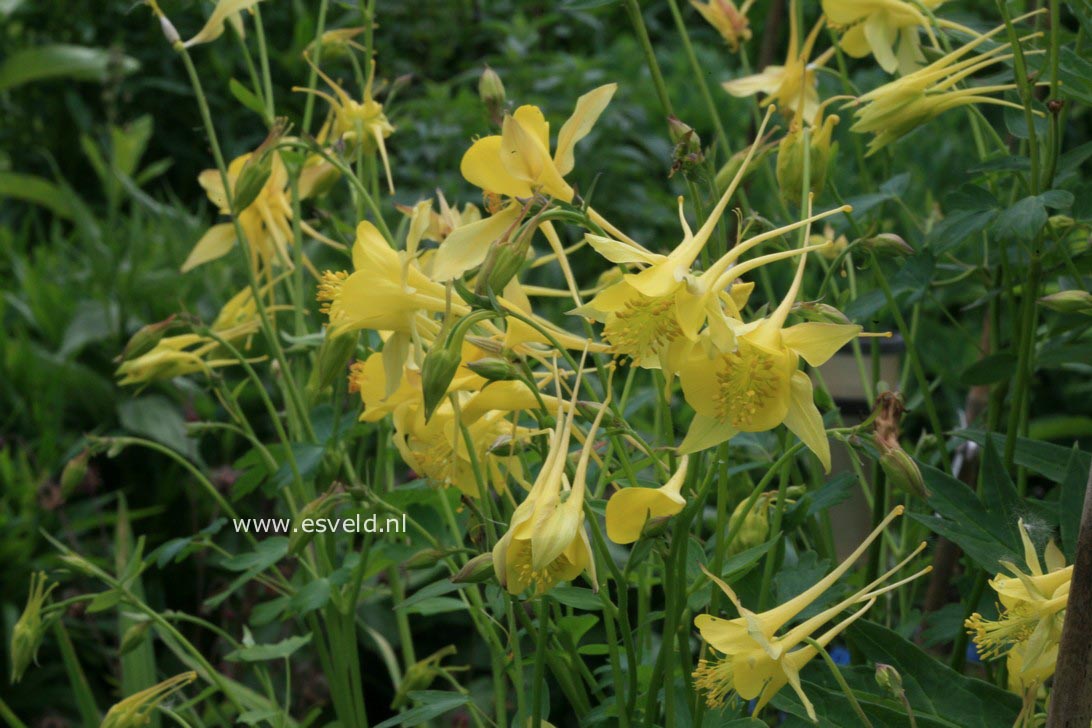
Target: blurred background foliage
99,205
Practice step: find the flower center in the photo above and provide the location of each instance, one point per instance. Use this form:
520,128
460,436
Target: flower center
747,379
715,679
543,579
995,638
643,327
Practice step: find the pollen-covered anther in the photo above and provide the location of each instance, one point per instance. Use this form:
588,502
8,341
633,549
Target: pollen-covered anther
643,327
329,288
746,381
995,638
714,678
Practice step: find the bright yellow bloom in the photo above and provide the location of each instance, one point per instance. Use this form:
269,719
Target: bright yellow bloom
877,26
792,85
517,163
753,384
629,509
897,108
1032,613
136,710
756,662
266,222
176,356
546,541
355,122
731,22
385,292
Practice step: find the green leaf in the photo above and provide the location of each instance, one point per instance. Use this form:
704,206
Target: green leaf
1021,222
1076,75
577,597
159,419
69,62
276,651
1045,458
965,520
315,595
433,704
990,369
36,190
247,98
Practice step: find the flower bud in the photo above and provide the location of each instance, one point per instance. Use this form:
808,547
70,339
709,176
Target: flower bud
146,338
687,153
889,679
257,169
169,31
655,527
1059,224
320,507
790,159
491,92
424,559
74,472
421,674
820,312
505,259
333,359
136,710
134,636
29,629
495,369
476,570
437,371
751,528
888,244
1073,301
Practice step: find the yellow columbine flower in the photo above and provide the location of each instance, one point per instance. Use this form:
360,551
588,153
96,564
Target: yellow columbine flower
897,108
731,22
517,163
226,11
266,222
385,292
756,663
1032,610
136,710
629,509
355,122
546,541
877,26
792,85
181,354
753,384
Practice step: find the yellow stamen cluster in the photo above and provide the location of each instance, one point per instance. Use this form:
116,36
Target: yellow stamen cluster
643,328
747,380
329,288
715,679
995,638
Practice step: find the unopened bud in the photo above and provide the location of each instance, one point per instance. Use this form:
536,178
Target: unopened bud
257,169
790,159
491,92
476,570
1073,301
888,244
495,369
134,636
820,312
73,474
751,528
505,259
333,358
655,527
29,629
424,559
489,346
437,371
1059,224
889,679
687,153
146,338
420,675
320,507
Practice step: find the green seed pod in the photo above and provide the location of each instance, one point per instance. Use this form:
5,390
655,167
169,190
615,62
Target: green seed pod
903,472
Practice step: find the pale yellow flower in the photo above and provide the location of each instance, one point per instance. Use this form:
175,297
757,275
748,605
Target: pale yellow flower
730,21
629,509
888,29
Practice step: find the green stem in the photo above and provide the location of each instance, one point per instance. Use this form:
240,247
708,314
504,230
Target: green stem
633,8
841,682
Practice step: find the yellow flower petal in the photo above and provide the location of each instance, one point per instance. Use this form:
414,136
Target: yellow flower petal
481,166
804,420
467,246
818,342
214,28
588,109
217,241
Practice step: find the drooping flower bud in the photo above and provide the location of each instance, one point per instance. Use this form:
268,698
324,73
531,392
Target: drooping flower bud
898,466
421,674
889,679
888,244
687,153
751,527
320,507
333,357
74,472
29,629
257,169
